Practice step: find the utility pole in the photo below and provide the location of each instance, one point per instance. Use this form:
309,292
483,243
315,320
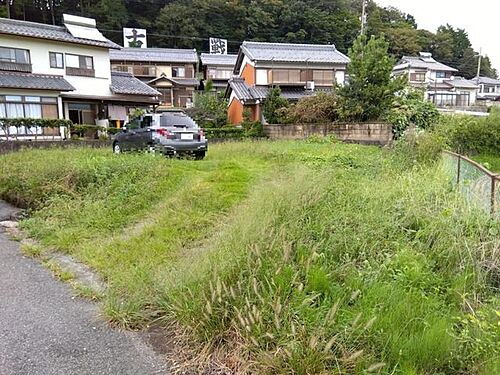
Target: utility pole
7,4
479,63
363,18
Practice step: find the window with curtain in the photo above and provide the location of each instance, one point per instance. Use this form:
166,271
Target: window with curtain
14,55
56,60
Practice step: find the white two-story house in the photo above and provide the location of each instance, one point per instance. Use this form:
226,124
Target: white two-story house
64,72
438,81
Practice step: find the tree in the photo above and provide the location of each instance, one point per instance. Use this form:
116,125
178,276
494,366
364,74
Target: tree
210,108
273,106
370,91
112,14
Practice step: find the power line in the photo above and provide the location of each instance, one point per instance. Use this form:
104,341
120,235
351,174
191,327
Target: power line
173,36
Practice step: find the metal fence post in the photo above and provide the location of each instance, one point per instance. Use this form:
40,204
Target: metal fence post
493,195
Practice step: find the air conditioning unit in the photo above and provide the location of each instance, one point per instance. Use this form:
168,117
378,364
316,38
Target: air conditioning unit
310,85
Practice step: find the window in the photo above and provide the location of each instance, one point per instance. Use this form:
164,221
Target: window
15,106
286,76
440,74
79,61
78,65
178,71
14,55
261,77
324,77
214,73
417,77
56,60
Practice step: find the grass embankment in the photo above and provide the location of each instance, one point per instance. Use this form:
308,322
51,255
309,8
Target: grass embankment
290,257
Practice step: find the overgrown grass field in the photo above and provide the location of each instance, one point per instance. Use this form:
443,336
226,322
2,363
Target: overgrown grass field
281,257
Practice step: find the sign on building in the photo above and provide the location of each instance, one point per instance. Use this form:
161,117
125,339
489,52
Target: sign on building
218,46
135,38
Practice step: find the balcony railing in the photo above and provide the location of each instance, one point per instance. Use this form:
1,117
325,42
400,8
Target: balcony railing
144,71
136,70
15,67
82,72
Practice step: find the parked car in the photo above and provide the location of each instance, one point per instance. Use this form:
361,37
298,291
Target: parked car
170,133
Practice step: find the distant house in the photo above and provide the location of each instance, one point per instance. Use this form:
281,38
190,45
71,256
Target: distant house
169,71
437,81
489,88
299,70
218,69
63,72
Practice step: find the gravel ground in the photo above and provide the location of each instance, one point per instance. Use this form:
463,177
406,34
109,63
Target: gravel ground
45,330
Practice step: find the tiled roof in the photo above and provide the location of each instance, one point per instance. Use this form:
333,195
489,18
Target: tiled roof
43,31
462,83
127,84
248,93
155,55
288,52
241,89
419,62
176,80
212,59
18,80
487,81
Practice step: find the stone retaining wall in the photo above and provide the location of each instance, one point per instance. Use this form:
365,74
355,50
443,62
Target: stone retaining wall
364,133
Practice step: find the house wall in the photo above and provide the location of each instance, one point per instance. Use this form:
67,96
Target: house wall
39,54
248,74
235,111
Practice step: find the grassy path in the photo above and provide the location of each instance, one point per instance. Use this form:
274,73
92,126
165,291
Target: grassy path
281,257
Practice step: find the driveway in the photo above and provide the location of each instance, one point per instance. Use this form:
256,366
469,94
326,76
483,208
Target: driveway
45,330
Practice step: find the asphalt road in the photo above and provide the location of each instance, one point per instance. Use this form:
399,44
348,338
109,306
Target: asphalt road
45,330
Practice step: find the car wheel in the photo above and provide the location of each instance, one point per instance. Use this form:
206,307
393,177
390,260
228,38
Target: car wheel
199,155
117,148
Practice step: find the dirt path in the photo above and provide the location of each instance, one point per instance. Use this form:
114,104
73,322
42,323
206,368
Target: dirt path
45,330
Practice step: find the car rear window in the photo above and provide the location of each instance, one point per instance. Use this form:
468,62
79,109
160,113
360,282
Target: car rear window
181,121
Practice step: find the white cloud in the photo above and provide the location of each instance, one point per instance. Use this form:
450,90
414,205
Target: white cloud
480,18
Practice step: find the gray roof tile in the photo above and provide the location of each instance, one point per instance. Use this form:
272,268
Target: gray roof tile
417,62
462,83
248,93
176,80
155,55
487,81
212,59
288,52
127,84
43,31
20,80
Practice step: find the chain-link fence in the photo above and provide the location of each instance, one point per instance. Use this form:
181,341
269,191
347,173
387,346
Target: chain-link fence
478,184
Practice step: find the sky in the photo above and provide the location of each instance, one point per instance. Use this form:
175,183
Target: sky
480,18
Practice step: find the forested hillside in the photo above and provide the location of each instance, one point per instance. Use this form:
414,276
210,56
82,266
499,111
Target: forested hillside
188,23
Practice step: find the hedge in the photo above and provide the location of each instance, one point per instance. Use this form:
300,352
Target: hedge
225,133
30,122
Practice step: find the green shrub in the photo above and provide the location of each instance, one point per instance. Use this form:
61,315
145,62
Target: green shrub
410,108
225,133
319,108
418,146
471,135
210,109
273,107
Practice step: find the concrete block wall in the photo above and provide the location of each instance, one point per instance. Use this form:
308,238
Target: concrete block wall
363,133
